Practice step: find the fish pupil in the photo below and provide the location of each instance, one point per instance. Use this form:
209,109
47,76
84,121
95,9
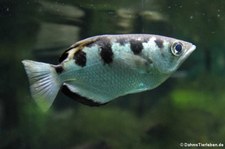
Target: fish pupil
178,48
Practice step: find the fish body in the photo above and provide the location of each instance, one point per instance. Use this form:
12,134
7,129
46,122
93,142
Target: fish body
99,69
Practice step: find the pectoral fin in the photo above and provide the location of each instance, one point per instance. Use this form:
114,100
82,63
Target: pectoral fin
136,62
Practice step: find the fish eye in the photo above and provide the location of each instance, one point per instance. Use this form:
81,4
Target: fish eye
177,48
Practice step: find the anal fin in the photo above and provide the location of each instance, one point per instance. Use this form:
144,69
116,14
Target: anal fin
75,96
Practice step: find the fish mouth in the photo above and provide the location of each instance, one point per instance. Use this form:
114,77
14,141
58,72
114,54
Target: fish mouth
180,60
193,47
188,53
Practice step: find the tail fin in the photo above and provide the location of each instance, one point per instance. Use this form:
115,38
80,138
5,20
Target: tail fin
44,82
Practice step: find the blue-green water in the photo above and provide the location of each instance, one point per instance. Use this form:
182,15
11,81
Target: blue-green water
187,108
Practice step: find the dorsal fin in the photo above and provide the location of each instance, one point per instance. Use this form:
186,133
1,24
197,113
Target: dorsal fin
64,55
76,47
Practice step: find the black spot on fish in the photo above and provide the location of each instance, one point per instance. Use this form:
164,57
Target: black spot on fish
59,69
122,41
136,46
79,98
80,58
159,43
65,55
106,50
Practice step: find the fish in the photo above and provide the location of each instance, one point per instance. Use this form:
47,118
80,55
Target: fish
99,69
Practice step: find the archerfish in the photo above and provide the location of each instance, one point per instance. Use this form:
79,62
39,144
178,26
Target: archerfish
99,69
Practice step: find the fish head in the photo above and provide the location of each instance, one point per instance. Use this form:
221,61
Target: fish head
170,53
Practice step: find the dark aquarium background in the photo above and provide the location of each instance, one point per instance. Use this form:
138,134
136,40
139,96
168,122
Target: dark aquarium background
188,108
